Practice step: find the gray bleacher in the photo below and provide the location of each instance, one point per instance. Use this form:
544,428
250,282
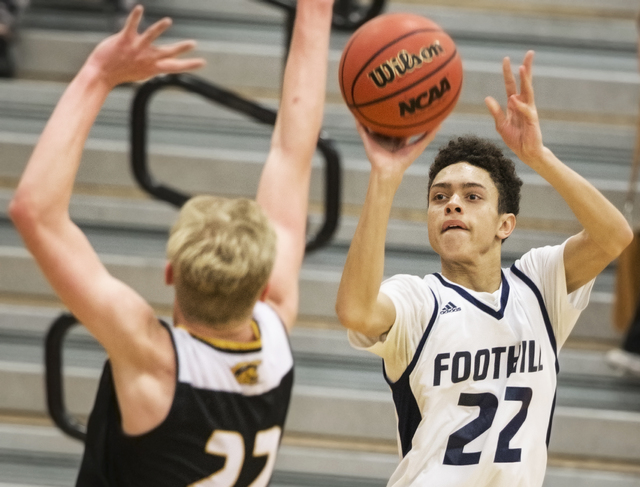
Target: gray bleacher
341,427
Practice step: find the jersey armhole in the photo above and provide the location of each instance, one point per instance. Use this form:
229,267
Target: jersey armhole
543,309
416,355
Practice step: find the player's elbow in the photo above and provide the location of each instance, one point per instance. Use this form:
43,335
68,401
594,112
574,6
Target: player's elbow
351,317
29,215
620,240
22,210
626,237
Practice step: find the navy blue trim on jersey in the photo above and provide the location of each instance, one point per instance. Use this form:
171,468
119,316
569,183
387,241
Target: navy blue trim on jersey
543,308
553,411
409,415
504,298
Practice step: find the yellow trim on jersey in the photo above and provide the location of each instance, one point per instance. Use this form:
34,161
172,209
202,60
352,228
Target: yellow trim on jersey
231,345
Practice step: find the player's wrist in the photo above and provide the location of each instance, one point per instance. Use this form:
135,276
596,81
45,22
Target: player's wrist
540,159
385,180
94,77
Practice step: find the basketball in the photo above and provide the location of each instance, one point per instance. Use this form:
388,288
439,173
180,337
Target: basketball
400,75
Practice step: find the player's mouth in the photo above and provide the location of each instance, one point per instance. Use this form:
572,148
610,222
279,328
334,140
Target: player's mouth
453,225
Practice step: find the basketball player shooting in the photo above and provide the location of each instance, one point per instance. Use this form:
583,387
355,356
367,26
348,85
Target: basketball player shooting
202,402
470,353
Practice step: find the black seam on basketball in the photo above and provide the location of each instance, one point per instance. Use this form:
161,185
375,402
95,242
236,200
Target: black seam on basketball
421,122
397,39
417,82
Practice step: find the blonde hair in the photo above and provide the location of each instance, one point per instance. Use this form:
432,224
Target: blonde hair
222,252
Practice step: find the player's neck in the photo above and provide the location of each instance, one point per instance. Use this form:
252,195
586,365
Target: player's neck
481,277
235,331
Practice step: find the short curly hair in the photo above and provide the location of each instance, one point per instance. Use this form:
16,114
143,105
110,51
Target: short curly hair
485,155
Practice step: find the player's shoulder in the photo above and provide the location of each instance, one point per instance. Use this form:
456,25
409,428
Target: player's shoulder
410,284
411,291
264,312
538,258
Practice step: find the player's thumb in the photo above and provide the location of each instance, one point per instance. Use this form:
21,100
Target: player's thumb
494,109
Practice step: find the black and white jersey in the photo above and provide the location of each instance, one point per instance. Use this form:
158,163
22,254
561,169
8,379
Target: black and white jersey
473,375
225,423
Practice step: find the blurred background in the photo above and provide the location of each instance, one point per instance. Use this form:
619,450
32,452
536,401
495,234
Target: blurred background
341,425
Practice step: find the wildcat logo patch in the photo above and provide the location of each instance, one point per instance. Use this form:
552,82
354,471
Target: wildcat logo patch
246,373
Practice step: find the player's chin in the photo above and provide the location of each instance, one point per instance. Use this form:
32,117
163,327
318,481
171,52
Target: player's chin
455,243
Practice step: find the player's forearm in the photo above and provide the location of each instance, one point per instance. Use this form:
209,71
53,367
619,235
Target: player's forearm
364,268
304,85
45,187
283,191
602,221
284,185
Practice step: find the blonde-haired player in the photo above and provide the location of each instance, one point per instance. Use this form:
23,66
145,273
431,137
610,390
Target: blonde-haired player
202,402
221,253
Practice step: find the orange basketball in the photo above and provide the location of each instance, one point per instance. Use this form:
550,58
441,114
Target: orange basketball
400,75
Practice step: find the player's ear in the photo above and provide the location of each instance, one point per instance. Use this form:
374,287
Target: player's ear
507,225
264,293
168,274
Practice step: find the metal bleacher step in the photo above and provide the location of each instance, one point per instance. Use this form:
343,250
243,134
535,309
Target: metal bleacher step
40,456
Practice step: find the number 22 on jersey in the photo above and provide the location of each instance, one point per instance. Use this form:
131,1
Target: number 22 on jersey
230,444
488,404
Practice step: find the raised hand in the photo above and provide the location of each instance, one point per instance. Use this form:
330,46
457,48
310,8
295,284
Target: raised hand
519,127
392,156
130,56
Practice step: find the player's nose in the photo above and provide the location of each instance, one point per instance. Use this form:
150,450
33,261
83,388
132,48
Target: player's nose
453,205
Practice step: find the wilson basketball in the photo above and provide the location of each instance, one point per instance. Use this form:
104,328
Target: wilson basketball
400,75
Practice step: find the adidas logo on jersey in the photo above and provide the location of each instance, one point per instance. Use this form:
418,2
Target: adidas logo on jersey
449,308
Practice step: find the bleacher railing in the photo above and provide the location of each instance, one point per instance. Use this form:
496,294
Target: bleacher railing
194,84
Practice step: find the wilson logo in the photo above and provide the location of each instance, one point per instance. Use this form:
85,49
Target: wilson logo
424,100
404,63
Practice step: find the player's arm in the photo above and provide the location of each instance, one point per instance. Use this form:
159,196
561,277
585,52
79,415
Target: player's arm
283,191
360,305
605,231
115,314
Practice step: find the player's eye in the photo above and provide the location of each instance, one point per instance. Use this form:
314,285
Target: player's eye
474,197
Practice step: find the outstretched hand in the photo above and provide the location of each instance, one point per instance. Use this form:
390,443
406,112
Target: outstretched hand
393,156
519,127
129,56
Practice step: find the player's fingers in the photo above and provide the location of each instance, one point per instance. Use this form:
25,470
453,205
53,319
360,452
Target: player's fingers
173,50
526,77
171,65
509,79
156,30
425,139
521,107
495,110
133,21
363,131
368,139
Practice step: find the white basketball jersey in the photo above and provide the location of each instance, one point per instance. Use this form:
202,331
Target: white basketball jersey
475,402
